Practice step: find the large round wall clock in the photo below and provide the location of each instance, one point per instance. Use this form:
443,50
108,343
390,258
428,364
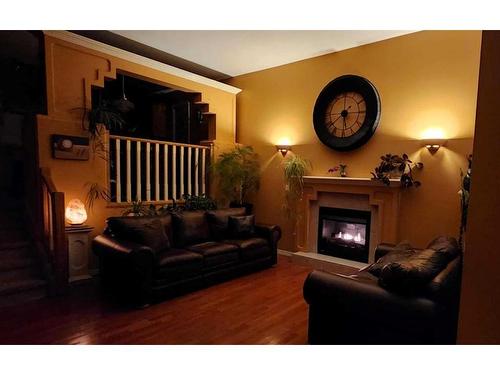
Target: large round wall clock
347,113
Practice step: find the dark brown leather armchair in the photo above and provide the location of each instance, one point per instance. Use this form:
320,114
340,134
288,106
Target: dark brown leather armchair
356,309
192,249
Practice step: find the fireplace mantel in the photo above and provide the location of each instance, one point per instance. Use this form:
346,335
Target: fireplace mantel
343,192
356,181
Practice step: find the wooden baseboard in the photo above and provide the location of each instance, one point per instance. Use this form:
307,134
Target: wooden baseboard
285,253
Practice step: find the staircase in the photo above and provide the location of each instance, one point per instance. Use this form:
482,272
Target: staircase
20,276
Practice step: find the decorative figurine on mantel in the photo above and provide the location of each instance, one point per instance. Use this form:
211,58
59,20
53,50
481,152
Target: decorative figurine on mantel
342,168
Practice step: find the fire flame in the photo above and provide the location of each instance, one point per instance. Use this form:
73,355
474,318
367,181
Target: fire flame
349,237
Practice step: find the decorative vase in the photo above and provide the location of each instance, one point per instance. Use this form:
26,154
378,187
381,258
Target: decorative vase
343,174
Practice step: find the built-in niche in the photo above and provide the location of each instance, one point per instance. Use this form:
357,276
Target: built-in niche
153,111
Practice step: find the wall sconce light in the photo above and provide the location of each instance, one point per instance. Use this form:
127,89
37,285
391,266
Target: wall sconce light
283,149
433,144
75,212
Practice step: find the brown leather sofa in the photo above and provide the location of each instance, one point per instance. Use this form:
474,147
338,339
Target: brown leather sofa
408,296
143,259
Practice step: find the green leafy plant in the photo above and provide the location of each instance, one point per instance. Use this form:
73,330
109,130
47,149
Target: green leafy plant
139,209
95,191
464,193
198,202
103,116
342,168
295,168
191,203
238,173
395,165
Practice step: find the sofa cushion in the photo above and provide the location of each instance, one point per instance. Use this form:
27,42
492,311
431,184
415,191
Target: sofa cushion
241,227
166,221
248,243
190,227
251,248
216,253
148,231
447,245
412,274
178,264
218,221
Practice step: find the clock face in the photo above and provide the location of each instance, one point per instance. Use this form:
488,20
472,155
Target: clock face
346,113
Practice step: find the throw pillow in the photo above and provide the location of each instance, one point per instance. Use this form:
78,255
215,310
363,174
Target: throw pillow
241,227
143,230
410,275
445,244
393,256
190,227
218,221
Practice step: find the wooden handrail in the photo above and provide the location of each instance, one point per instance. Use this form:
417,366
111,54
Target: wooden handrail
47,179
54,234
154,141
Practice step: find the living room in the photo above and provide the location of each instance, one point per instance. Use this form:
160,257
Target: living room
173,187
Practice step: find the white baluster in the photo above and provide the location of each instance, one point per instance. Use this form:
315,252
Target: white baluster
203,177
165,172
138,195
129,179
189,151
196,170
174,172
118,177
148,172
182,171
157,171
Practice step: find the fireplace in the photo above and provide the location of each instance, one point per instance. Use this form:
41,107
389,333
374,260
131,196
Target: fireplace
344,233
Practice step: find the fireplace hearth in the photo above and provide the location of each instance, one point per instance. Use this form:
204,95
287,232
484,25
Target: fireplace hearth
344,233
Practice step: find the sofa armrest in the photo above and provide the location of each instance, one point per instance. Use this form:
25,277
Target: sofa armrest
107,245
126,266
344,310
352,295
272,233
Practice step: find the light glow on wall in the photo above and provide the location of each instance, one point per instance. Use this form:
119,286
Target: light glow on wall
433,133
285,141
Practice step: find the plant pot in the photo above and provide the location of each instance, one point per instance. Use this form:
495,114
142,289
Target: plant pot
248,207
395,174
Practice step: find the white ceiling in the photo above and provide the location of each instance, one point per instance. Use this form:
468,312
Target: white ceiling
239,52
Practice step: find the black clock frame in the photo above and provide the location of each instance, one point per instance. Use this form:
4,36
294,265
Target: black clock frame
338,86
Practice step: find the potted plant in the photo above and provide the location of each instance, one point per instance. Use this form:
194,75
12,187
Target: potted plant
238,175
342,168
103,116
139,209
401,167
464,193
198,202
295,168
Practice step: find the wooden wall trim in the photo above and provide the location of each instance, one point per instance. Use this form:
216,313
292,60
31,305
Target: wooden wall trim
141,60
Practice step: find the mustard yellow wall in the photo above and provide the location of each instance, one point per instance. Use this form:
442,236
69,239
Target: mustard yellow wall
425,80
480,301
71,70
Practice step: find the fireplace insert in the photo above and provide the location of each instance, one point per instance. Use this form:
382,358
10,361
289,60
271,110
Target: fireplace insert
344,233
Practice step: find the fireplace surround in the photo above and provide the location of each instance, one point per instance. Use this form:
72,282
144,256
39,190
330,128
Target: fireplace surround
380,201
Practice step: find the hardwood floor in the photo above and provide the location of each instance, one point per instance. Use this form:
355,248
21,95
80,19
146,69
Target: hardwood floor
266,307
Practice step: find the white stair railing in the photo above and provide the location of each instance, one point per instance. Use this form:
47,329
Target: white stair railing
155,171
